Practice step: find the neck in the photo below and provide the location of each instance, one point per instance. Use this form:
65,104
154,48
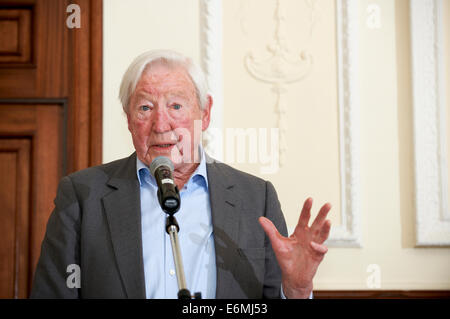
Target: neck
182,174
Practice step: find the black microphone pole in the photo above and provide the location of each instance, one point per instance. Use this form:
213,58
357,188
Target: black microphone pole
172,229
169,199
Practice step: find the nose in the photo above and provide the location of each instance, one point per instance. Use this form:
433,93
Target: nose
160,120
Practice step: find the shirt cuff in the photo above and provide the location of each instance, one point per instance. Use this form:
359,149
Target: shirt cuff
311,296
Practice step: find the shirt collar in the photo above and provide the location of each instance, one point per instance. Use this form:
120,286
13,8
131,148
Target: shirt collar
143,171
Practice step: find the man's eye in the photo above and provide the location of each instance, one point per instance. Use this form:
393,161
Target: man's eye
176,106
144,107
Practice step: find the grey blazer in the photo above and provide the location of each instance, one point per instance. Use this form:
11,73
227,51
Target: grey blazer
96,224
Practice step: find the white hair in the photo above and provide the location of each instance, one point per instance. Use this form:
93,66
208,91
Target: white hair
171,58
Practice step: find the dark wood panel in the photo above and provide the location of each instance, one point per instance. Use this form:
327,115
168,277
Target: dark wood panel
382,294
52,49
8,168
47,171
15,32
43,126
9,33
85,126
14,214
17,119
96,82
66,63
50,94
43,58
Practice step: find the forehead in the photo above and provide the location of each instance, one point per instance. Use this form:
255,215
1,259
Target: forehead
168,80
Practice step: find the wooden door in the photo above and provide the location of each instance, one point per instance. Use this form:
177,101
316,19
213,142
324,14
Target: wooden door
50,121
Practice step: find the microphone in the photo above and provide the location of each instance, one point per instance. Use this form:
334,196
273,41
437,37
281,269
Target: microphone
168,194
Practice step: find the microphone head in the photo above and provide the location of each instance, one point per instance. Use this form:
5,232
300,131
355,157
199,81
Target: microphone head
160,161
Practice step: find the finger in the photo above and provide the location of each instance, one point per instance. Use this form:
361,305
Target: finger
305,214
317,224
272,232
318,248
324,232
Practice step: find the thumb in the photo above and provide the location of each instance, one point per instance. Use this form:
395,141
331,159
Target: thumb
271,231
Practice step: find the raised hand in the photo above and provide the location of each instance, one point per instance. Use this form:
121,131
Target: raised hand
300,254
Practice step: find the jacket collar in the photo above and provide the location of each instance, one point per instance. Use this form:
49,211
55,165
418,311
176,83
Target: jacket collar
123,212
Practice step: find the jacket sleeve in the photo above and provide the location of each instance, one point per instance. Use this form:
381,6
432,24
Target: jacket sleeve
272,276
58,265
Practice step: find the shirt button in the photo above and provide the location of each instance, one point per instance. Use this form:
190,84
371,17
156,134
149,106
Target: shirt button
172,272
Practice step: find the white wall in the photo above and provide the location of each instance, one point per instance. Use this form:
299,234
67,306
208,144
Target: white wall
312,166
130,28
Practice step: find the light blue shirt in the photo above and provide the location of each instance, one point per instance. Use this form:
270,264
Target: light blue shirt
196,237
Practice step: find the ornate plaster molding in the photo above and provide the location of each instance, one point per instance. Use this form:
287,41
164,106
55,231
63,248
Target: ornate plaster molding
211,52
429,123
348,233
281,67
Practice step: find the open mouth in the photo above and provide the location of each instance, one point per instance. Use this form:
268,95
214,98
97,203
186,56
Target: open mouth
162,147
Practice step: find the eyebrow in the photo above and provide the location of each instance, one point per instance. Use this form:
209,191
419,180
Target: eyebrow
176,93
142,94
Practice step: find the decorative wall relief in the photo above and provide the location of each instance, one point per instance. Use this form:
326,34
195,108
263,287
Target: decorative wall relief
281,67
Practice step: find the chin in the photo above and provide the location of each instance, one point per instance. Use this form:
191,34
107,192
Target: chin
176,159
174,154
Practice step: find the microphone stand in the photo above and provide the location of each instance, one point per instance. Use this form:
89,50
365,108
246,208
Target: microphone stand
172,228
169,199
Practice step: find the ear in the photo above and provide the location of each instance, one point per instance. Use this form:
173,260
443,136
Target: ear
129,121
206,113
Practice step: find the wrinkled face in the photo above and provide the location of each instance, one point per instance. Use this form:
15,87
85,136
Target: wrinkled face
164,116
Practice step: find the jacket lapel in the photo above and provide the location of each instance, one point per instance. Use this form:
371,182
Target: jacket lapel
123,212
225,207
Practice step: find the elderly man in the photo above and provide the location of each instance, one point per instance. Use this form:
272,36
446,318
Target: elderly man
107,220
